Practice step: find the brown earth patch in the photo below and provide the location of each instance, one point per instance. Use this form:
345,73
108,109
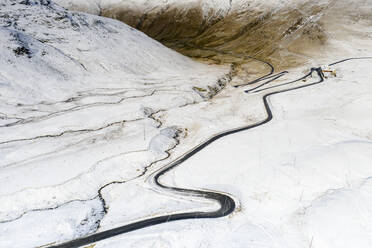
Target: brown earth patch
284,38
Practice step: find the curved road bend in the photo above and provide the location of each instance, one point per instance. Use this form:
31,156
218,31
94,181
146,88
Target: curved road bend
270,75
227,204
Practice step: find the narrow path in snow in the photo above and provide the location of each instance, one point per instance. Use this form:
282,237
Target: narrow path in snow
226,203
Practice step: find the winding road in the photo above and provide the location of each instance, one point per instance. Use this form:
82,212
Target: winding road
226,203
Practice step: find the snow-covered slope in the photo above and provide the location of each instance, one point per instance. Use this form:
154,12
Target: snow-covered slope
89,107
302,180
287,33
49,50
77,99
265,29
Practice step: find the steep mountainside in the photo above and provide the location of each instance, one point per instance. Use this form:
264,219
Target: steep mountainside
48,53
286,33
78,96
92,110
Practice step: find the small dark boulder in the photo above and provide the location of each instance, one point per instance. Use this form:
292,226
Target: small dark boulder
21,51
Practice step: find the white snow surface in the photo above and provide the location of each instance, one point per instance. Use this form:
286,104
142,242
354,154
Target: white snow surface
89,105
77,98
72,52
302,180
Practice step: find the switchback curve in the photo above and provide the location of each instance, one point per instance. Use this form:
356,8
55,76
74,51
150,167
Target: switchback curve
227,203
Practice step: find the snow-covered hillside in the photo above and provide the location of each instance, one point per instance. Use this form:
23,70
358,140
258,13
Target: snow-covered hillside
77,99
91,109
287,33
49,44
302,180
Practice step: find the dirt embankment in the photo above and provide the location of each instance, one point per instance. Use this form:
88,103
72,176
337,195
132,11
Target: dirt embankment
285,33
283,36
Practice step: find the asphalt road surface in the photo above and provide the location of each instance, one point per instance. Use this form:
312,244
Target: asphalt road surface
226,203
